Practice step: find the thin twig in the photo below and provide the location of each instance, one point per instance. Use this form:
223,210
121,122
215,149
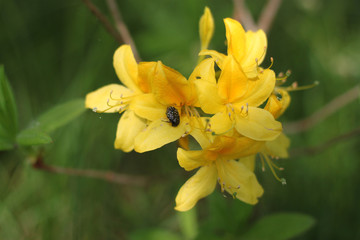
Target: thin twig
108,176
104,21
268,14
324,112
322,147
121,26
242,14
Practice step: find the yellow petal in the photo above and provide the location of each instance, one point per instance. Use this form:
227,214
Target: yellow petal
235,35
146,106
258,90
278,103
221,123
204,71
170,87
285,100
274,106
208,97
249,162
258,124
206,28
198,186
200,133
239,181
219,57
184,142
256,44
232,83
278,147
146,74
126,67
159,133
102,99
241,147
190,160
128,128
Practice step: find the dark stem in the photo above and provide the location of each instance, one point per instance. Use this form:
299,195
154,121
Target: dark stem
324,112
104,21
108,176
322,147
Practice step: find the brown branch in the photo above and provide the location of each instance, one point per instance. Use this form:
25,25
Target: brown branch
322,147
242,14
324,112
105,22
108,176
121,26
268,14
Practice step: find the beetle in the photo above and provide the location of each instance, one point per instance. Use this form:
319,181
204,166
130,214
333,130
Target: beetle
173,115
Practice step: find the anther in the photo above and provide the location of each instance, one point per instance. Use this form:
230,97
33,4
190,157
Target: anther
94,109
283,181
272,62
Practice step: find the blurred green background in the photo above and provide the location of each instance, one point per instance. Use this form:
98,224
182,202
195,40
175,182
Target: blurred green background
56,51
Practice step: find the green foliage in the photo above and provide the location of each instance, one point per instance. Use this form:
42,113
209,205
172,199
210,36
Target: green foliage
56,51
33,136
188,224
8,113
56,117
279,226
154,234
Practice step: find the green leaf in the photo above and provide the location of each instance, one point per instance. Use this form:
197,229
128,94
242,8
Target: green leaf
61,115
280,226
56,117
5,145
33,136
154,234
8,113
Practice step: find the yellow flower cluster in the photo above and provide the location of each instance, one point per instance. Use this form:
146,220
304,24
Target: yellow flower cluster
231,113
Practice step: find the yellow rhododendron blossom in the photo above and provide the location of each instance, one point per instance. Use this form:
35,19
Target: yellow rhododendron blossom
248,48
206,28
234,101
278,102
171,94
217,164
118,98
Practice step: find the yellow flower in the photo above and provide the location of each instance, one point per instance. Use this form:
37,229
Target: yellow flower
248,48
206,28
280,99
278,102
234,99
217,164
117,98
172,95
